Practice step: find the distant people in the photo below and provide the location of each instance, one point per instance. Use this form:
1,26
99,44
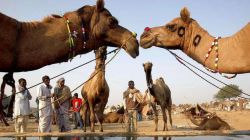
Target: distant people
21,106
76,106
62,99
131,98
45,108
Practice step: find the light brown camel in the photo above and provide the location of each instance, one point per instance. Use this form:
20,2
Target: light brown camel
186,34
26,46
96,91
162,94
205,120
114,117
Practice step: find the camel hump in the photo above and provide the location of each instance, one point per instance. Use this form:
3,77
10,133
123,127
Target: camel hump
160,81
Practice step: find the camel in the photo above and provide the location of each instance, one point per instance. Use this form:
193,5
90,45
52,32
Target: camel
162,94
27,46
96,91
205,120
114,117
230,54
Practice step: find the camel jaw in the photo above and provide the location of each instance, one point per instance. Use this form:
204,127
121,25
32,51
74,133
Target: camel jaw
132,48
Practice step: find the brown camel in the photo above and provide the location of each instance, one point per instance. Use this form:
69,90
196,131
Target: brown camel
205,120
26,46
96,91
114,117
162,94
230,54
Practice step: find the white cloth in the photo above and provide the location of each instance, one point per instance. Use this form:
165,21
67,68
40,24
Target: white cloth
45,108
22,104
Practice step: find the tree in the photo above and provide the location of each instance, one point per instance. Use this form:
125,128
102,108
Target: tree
228,91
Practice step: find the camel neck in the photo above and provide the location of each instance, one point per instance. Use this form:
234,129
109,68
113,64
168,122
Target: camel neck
232,51
199,51
150,82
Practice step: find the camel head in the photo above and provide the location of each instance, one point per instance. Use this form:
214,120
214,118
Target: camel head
169,36
104,30
148,69
100,55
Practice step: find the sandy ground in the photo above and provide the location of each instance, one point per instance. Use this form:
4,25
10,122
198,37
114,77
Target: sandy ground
238,120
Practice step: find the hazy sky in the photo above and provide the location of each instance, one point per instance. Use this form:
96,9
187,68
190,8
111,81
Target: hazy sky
218,17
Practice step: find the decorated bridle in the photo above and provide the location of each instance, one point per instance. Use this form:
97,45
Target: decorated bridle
74,35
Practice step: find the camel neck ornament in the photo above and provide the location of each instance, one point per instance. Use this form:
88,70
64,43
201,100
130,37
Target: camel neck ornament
233,51
216,60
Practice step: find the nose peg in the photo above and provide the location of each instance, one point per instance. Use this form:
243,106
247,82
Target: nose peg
147,29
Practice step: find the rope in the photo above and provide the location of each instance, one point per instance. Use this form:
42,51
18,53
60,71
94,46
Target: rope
79,85
66,72
182,60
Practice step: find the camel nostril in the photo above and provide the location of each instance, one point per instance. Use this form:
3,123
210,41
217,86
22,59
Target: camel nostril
147,29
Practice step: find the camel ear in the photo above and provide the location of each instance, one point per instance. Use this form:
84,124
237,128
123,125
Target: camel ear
143,64
185,15
99,5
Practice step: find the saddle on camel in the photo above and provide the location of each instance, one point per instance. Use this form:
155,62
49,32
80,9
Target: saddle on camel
27,46
223,55
205,120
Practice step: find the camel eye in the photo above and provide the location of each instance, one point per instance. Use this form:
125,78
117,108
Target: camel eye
171,27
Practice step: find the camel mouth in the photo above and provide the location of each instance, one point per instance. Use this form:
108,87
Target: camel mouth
132,48
147,41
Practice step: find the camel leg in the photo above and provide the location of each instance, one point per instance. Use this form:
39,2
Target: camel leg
11,103
163,109
100,114
156,115
84,116
170,115
1,106
92,116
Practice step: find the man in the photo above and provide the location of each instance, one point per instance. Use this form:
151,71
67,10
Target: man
76,106
45,108
131,99
62,99
21,106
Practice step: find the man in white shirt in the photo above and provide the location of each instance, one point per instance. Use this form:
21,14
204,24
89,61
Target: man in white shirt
45,107
21,106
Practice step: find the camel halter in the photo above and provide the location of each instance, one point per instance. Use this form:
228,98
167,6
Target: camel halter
134,34
216,60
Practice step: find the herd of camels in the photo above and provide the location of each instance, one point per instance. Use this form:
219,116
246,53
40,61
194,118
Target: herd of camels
27,46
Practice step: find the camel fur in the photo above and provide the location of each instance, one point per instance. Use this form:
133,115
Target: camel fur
29,46
162,94
96,91
186,34
26,46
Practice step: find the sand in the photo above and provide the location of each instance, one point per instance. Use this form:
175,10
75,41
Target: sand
238,120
